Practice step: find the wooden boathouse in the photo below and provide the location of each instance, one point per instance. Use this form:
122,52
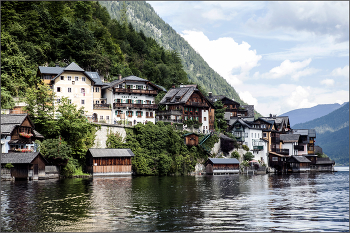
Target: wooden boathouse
25,165
101,162
216,166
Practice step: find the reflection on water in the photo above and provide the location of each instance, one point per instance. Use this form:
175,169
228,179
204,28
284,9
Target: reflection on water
296,202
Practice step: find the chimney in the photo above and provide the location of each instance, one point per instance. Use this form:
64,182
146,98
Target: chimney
173,86
210,94
119,76
270,115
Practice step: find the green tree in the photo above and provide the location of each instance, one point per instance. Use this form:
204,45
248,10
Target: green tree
248,156
235,154
114,140
220,121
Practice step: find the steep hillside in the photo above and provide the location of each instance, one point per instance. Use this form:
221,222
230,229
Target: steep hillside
143,17
332,133
303,115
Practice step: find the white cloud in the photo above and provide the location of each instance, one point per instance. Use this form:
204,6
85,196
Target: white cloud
224,55
327,82
247,97
288,68
341,71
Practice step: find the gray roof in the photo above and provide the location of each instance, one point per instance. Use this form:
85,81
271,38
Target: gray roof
245,124
223,136
99,152
215,98
250,109
224,161
10,121
312,133
50,70
19,157
300,159
96,78
178,95
324,161
289,137
73,67
37,134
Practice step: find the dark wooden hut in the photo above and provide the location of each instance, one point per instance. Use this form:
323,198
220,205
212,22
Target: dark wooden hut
25,165
298,164
214,166
191,139
109,161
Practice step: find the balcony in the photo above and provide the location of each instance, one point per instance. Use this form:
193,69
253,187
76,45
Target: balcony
240,129
124,105
275,140
280,151
196,104
102,106
170,120
299,148
258,147
136,91
169,112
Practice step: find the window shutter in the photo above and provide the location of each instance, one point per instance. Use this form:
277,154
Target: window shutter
141,113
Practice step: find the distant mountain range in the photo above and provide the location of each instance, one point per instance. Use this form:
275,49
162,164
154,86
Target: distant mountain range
307,114
332,133
143,17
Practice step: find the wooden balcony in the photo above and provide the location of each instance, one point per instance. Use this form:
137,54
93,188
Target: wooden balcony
169,113
281,151
124,105
136,91
197,104
299,148
102,106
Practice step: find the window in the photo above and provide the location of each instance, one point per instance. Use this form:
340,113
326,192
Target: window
82,90
69,78
83,79
97,101
255,135
252,134
76,78
58,89
101,117
147,114
97,89
264,135
246,135
58,100
73,82
107,117
139,113
69,89
69,101
82,101
151,114
274,159
205,119
62,77
138,87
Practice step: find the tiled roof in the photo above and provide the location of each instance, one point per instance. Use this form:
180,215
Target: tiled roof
324,161
300,159
96,78
243,123
73,67
50,70
183,94
224,161
37,134
250,109
18,157
99,152
289,137
312,133
10,121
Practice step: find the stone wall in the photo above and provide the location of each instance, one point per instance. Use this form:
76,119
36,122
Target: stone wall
101,135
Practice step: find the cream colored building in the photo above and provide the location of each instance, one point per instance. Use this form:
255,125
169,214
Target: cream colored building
82,88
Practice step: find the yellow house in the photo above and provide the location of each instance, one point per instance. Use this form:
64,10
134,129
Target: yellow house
81,87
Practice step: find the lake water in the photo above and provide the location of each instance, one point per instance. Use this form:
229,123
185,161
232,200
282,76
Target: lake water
293,202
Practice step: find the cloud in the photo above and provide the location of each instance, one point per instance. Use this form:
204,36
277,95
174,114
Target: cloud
287,68
231,60
247,97
319,18
341,71
327,82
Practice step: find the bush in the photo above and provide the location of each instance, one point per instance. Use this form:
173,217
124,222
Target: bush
8,166
248,156
235,154
245,147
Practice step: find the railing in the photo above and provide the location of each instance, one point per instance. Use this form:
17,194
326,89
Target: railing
124,105
169,112
102,106
280,151
196,104
299,148
170,120
258,147
136,91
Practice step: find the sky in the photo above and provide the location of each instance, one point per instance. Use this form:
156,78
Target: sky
279,56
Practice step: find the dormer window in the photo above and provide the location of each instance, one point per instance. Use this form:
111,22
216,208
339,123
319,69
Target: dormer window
168,99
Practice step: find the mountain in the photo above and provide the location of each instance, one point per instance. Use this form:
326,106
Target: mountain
143,17
332,133
307,114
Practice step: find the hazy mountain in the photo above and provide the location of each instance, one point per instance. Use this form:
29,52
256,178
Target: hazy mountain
143,17
332,133
307,114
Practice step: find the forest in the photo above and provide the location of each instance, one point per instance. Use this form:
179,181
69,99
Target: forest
46,33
